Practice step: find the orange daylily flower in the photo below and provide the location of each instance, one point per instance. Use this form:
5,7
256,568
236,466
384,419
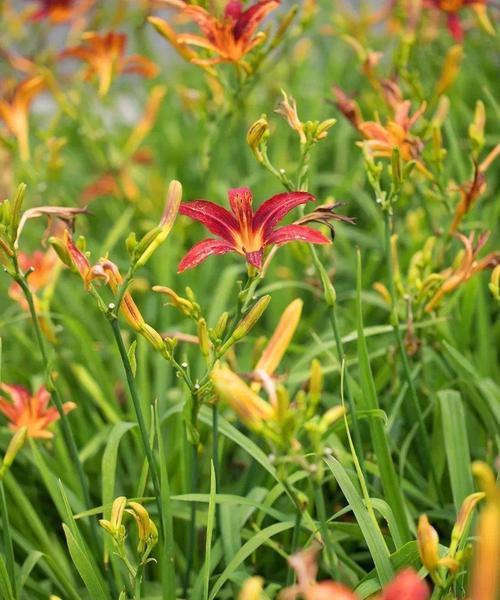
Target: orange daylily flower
43,267
31,411
105,57
454,277
230,37
14,109
61,11
381,139
470,191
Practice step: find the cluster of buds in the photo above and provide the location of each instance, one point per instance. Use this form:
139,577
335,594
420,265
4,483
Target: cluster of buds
279,420
147,532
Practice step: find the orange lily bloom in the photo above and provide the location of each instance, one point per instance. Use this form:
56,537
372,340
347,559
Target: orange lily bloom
43,267
382,139
229,37
454,277
105,57
14,109
61,11
29,411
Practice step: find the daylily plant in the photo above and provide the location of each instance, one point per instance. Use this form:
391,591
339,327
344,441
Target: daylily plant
244,231
230,37
31,411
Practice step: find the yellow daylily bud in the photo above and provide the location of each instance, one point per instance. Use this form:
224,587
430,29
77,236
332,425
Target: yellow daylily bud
450,70
16,443
485,478
251,589
485,584
220,326
173,201
315,381
464,515
187,307
114,525
256,135
476,128
232,390
331,416
428,541
203,339
482,17
494,285
281,338
248,322
147,531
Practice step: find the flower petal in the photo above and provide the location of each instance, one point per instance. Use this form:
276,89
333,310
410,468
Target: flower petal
255,258
249,20
19,395
455,27
275,208
203,250
296,233
216,219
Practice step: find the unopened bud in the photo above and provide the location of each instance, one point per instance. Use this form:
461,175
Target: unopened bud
476,128
494,285
464,516
257,135
203,339
428,541
250,319
16,443
323,128
220,326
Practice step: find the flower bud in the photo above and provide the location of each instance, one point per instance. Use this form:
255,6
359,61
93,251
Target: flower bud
203,339
251,589
315,381
187,307
250,319
16,443
464,516
147,531
220,326
428,541
476,128
494,285
257,135
287,108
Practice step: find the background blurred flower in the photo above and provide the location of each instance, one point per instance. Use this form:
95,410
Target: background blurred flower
105,57
25,410
61,11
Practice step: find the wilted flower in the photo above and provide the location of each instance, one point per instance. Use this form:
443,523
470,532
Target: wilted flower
105,57
452,9
287,108
325,214
244,231
61,11
25,410
454,277
14,110
305,565
229,37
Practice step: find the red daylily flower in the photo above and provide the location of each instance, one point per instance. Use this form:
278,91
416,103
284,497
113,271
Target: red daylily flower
44,267
230,37
452,7
406,585
244,231
26,410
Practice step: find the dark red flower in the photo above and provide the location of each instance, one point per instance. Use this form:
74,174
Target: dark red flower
244,231
452,8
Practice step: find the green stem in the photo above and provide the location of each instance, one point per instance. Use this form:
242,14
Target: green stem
138,413
321,513
215,450
295,545
358,445
66,428
192,521
423,448
7,541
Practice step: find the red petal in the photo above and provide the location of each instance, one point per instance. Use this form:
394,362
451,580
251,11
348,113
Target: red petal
455,27
203,250
216,219
20,395
250,18
407,585
296,233
240,200
273,210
